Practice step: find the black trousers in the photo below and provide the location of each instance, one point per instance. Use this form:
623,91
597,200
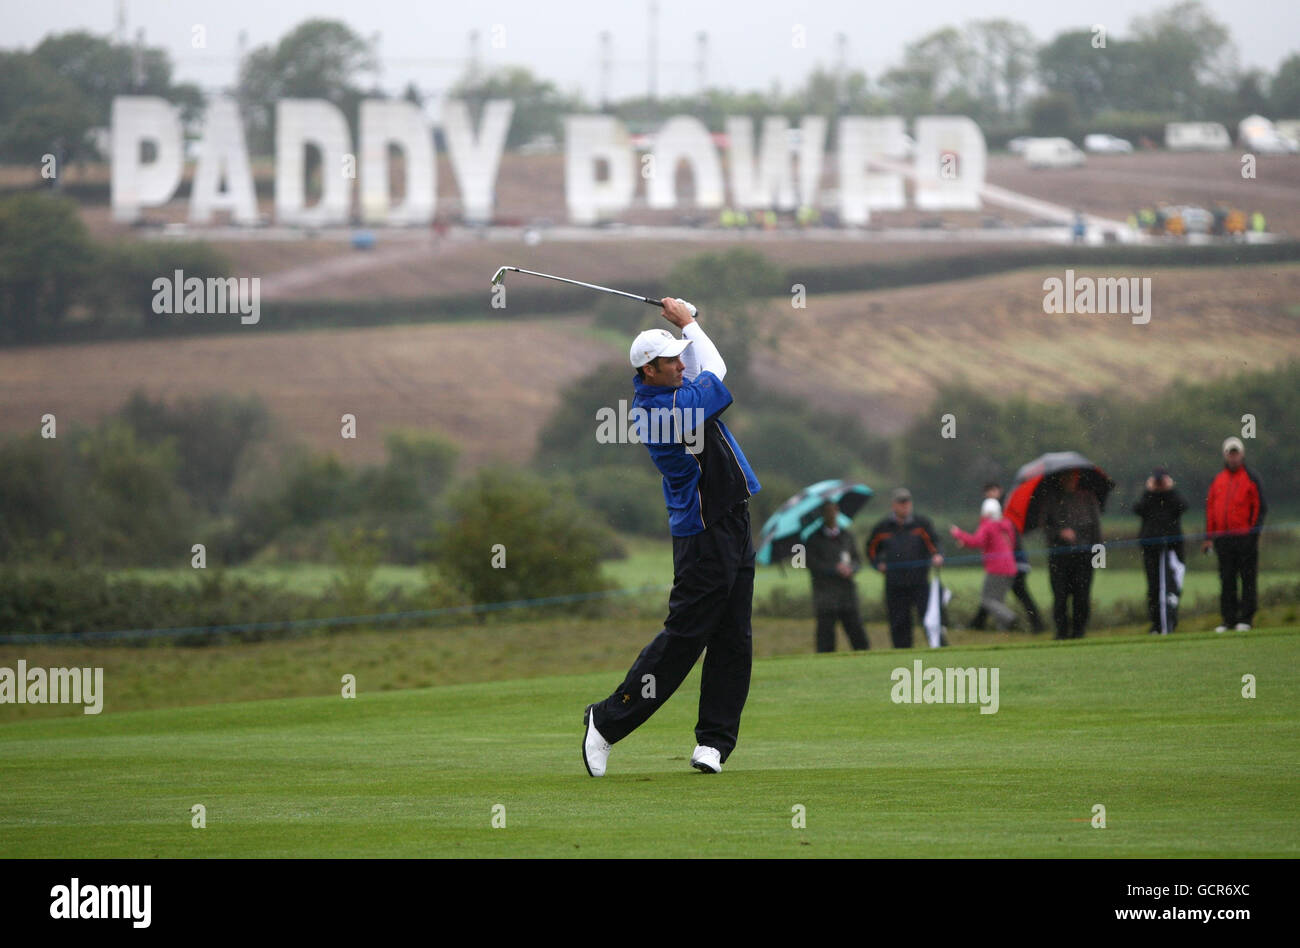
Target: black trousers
709,608
1162,614
1238,556
900,601
848,615
1020,587
1071,575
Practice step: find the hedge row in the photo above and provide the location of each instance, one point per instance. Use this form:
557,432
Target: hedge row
292,315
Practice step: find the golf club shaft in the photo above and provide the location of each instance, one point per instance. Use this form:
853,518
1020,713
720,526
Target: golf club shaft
592,286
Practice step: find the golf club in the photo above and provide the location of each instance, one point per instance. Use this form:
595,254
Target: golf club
501,274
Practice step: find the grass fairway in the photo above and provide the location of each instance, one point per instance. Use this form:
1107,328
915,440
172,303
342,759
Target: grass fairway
1156,730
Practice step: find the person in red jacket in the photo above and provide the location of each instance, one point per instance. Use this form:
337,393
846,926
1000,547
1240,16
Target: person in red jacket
1234,515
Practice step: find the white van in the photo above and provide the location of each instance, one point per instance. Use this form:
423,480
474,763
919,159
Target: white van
1196,136
1256,133
1053,153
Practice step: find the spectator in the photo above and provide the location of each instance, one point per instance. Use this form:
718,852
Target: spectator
1080,228
1019,585
833,560
997,538
1161,509
1234,515
903,547
1072,524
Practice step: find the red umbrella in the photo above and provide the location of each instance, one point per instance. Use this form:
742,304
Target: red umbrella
1024,506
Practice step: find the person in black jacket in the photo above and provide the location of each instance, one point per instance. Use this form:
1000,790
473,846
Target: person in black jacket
833,560
903,546
1072,525
1161,509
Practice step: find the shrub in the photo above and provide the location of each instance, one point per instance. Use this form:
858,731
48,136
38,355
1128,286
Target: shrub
542,543
630,497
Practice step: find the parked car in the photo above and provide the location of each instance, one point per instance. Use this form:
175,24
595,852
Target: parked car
1017,145
1053,153
1107,145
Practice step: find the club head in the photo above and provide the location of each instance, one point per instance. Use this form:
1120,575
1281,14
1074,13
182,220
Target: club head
499,276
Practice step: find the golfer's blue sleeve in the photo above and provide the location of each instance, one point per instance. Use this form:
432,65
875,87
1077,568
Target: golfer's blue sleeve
701,399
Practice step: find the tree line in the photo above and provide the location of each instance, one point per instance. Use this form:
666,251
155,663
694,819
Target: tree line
1176,63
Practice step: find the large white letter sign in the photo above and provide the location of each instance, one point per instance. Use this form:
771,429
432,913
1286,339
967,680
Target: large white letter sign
401,123
222,155
685,137
950,162
137,184
475,160
812,151
771,183
299,122
862,139
587,140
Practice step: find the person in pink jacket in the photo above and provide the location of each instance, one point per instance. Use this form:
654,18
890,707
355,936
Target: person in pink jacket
997,538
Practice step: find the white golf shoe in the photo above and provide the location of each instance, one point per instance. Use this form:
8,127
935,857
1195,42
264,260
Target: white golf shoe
595,749
707,760
1220,629
1242,627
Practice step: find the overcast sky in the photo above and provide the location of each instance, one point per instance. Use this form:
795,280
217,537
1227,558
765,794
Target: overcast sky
749,41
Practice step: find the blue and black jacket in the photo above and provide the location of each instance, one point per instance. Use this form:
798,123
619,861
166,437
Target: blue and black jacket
698,487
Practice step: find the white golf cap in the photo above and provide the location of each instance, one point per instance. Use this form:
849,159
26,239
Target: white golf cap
1233,444
654,343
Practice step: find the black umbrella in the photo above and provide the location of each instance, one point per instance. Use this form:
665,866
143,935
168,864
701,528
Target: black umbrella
1024,506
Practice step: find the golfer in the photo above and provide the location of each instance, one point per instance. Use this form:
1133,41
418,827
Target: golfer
707,484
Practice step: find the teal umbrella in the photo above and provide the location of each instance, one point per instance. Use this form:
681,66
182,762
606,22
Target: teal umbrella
800,516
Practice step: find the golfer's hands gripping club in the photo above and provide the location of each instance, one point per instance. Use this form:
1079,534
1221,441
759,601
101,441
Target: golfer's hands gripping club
678,312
